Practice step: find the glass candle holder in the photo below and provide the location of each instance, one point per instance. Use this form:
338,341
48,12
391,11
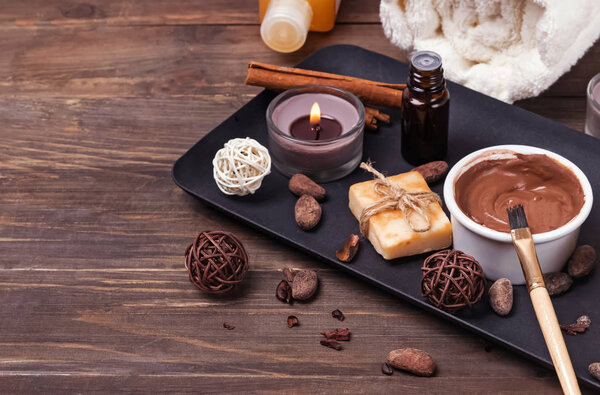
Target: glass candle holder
322,160
592,114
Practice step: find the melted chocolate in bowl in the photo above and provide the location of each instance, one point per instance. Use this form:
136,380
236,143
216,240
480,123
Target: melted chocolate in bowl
550,193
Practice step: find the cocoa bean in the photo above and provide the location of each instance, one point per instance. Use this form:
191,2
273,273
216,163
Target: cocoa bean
305,284
284,292
289,274
347,253
433,172
386,369
307,212
557,283
339,334
582,261
594,369
412,360
292,321
302,185
228,326
331,344
501,296
338,315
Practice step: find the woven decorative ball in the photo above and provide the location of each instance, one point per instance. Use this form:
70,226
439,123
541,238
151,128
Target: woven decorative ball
240,166
452,280
216,262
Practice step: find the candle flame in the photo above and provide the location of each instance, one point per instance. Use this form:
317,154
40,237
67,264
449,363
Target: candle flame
315,114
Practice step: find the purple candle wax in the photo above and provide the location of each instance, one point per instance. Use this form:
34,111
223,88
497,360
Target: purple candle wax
324,159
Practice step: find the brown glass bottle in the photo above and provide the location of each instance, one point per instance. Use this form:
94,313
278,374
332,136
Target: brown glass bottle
425,110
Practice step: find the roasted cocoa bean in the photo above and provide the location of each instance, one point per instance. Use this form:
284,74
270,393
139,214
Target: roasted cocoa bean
292,321
339,334
412,360
307,212
284,292
557,283
594,369
347,253
582,261
302,185
305,284
338,315
433,172
501,296
386,369
331,344
289,274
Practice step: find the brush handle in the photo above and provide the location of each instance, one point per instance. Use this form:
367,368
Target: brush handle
554,340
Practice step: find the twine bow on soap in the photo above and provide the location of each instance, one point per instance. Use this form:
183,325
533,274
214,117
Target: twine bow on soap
394,197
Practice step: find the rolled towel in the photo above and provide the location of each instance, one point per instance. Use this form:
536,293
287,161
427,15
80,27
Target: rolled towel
508,49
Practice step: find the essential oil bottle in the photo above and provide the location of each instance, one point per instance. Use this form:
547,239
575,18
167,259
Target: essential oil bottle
425,110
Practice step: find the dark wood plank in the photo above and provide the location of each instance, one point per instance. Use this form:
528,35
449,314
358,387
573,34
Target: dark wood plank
94,109
156,12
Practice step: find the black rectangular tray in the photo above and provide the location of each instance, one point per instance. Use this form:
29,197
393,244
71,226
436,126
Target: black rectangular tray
476,121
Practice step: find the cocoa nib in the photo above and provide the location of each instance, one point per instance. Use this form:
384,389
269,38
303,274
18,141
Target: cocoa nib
284,292
331,344
292,321
337,334
289,274
578,326
386,369
347,253
228,327
337,314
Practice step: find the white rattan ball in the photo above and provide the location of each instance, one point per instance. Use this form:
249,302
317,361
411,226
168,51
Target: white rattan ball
240,166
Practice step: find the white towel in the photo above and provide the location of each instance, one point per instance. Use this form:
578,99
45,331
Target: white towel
508,49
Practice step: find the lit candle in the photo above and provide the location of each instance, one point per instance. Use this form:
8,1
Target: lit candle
315,126
324,143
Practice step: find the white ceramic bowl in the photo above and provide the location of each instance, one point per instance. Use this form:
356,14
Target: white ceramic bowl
494,249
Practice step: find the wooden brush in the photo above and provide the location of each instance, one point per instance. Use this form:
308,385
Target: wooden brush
523,242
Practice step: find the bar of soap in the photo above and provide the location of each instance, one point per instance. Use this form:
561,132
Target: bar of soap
389,232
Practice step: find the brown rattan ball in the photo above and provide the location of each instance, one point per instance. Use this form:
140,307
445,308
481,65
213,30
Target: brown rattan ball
216,262
452,280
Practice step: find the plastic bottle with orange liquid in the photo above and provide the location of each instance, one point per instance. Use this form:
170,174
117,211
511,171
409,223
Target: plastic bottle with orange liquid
285,23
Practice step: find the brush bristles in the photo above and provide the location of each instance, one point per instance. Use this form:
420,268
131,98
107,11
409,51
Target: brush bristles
517,217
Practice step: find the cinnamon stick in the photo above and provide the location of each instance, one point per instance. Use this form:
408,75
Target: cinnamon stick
373,116
279,78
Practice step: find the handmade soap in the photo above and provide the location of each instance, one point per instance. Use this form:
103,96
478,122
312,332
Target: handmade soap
389,232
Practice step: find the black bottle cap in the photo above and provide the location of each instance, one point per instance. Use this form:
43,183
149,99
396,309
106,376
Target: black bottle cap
426,61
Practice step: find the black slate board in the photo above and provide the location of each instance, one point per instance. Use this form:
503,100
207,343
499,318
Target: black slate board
476,121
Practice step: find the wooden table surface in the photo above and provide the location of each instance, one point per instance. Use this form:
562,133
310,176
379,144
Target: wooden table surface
97,100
